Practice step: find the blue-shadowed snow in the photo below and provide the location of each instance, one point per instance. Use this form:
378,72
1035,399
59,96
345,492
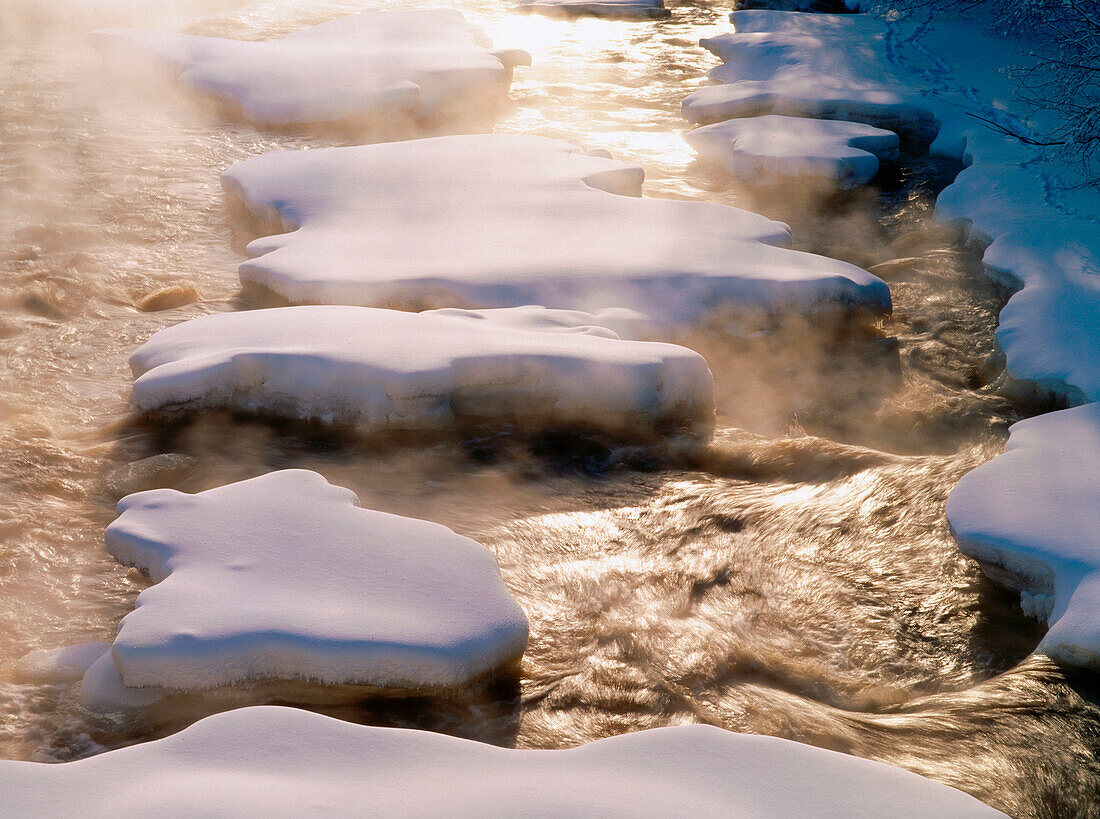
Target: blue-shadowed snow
1039,246
286,762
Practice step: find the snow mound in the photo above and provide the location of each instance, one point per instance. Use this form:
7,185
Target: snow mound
1034,512
794,65
377,65
842,154
287,762
59,665
387,369
501,220
647,9
285,577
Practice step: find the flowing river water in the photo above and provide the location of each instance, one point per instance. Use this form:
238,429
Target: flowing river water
797,578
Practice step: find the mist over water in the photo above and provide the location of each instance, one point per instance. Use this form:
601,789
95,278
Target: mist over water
796,577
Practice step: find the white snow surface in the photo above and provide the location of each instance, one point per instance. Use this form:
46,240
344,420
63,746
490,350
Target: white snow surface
279,762
597,8
51,666
388,369
807,65
285,577
1035,511
378,65
503,220
772,148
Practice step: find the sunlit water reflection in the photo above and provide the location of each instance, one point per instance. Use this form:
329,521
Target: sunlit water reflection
796,579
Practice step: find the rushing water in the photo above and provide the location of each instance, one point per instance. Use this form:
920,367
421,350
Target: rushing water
797,578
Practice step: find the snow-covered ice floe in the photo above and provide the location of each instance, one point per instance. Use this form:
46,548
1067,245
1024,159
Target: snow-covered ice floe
807,65
645,9
1033,514
378,66
285,577
501,220
285,762
382,369
772,148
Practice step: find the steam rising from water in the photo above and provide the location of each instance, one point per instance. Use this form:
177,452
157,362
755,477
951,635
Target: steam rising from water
797,578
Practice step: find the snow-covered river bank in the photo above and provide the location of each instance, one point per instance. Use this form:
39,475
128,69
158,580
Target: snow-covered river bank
797,578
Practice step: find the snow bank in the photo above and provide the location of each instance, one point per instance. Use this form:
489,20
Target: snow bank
502,220
387,369
1035,513
807,65
59,665
841,154
286,762
1050,329
597,8
378,65
285,577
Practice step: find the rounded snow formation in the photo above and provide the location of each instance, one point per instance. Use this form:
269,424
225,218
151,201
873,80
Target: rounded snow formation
378,65
501,220
285,577
806,65
1032,515
839,154
637,9
390,370
52,666
287,762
